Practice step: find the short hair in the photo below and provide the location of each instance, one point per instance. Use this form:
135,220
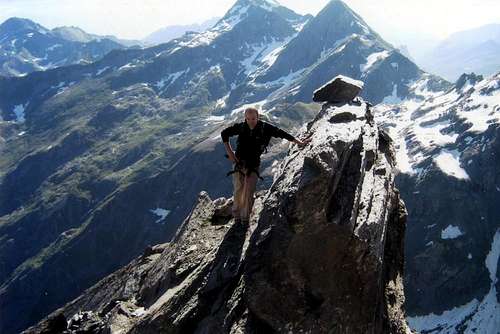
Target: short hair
252,109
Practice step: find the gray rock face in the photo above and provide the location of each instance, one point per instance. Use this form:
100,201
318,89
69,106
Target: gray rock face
470,79
340,89
323,251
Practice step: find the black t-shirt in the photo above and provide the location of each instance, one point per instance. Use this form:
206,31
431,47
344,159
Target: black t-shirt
252,142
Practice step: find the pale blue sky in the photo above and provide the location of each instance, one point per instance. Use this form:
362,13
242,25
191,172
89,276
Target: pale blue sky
134,19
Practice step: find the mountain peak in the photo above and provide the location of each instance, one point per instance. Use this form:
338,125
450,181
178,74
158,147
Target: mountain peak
72,33
344,16
242,6
17,24
266,4
333,26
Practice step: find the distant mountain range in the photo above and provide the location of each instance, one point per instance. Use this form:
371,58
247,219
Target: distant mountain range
26,46
100,160
168,33
476,50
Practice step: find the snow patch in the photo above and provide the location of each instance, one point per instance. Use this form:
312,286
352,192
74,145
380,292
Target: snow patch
430,135
170,79
451,232
372,59
99,72
449,163
139,312
402,157
215,118
492,258
55,46
62,87
19,112
393,98
129,65
162,213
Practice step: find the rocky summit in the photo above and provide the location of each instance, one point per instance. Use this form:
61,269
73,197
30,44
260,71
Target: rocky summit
323,252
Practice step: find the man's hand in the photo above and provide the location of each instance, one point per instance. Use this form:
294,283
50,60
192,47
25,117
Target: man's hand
232,157
302,143
230,153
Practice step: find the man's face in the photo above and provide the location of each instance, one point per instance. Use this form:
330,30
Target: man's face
251,118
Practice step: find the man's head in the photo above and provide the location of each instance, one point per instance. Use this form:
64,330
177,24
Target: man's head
251,117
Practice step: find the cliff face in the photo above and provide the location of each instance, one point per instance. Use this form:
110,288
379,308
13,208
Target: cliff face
323,252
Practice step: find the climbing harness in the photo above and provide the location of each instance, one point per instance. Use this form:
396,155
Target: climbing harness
238,168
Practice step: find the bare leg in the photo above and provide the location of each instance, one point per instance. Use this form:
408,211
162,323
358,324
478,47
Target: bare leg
238,187
248,192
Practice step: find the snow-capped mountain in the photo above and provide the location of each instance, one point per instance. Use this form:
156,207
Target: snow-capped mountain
476,50
26,46
448,151
336,41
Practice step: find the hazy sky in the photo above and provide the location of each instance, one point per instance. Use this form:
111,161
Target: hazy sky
395,20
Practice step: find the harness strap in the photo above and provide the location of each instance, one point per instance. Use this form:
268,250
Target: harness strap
249,171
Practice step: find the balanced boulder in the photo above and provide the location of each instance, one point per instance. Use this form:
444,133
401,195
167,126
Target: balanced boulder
339,89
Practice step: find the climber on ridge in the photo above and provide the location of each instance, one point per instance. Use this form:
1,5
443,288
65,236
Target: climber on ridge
253,137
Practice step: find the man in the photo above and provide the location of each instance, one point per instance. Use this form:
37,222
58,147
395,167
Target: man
253,137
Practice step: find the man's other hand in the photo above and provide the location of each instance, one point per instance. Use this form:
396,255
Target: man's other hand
302,143
232,157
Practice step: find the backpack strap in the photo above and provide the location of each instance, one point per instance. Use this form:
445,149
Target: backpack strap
264,145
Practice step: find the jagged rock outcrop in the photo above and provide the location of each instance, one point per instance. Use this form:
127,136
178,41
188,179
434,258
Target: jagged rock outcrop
323,252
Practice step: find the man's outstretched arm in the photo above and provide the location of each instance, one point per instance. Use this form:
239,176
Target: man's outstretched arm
279,133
